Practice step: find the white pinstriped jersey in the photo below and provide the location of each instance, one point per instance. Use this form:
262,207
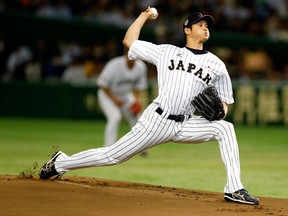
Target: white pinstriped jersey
183,74
120,79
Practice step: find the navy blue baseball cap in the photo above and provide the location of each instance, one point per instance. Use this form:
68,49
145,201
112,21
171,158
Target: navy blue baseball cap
196,17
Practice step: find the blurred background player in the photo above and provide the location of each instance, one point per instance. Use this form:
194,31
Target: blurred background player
121,85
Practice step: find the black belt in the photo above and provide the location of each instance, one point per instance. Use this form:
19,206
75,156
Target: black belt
176,118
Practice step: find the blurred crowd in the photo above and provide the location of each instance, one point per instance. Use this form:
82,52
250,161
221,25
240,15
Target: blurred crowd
75,62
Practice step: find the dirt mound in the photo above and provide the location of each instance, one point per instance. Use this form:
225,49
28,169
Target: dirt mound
92,196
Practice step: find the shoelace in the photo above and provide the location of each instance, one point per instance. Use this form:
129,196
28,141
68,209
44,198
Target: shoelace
244,192
244,195
48,167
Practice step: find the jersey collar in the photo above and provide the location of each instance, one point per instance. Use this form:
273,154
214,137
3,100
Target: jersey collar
197,52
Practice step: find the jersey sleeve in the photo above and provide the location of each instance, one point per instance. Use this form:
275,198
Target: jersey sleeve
224,86
145,51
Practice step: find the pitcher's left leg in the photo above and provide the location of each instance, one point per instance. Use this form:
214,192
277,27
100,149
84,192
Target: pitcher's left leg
228,146
198,130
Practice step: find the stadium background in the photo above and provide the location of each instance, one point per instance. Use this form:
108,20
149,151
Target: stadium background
39,40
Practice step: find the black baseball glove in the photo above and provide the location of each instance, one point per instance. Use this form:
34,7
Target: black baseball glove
209,104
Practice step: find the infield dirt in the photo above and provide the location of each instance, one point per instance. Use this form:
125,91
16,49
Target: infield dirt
93,196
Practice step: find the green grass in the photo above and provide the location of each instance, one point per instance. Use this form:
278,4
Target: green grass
263,153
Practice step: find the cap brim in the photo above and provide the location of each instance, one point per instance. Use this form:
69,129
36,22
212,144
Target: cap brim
209,19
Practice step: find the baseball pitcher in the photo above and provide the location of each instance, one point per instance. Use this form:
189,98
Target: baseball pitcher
186,110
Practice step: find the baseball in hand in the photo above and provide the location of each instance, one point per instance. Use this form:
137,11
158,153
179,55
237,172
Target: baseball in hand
154,11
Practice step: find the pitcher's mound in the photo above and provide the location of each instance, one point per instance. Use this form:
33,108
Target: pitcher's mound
92,196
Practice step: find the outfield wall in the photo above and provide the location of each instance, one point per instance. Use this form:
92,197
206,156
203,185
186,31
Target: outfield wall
255,103
260,103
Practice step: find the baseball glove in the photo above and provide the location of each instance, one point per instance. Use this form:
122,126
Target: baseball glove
209,104
135,108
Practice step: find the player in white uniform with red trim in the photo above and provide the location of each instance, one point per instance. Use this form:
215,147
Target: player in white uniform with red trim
121,84
182,74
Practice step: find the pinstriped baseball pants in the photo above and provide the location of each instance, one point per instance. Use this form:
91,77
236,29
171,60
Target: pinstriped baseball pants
153,129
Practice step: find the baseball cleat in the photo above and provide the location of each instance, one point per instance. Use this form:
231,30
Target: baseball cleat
48,169
241,196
